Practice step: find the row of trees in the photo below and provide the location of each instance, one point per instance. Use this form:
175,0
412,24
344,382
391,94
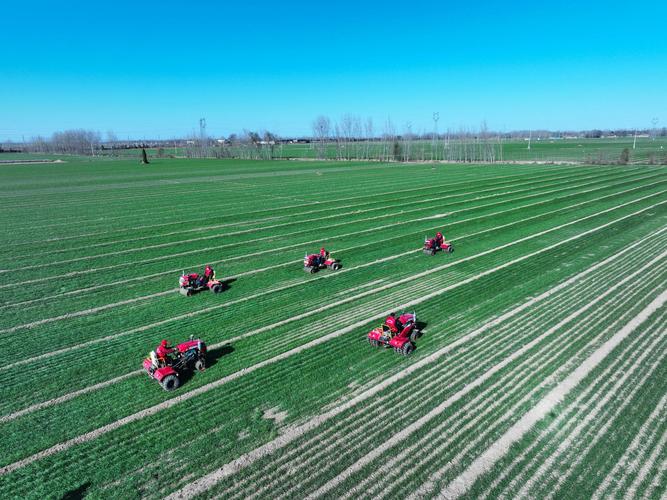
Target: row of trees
77,141
354,138
248,145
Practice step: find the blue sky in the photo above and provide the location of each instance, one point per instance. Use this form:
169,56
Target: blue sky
152,69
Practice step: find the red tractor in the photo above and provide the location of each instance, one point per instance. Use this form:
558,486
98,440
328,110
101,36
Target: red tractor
190,284
188,356
400,333
314,262
433,245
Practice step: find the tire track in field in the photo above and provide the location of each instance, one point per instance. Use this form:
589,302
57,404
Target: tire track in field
429,485
497,450
301,214
203,484
402,435
69,396
293,233
287,354
287,247
289,207
255,271
634,455
566,449
159,294
441,437
393,284
573,408
403,407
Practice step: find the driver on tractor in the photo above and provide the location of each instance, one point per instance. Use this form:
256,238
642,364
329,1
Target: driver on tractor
439,239
209,275
324,255
393,323
164,352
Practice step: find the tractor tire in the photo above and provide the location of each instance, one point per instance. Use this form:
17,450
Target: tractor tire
216,288
450,250
408,347
170,382
414,335
432,251
312,270
200,365
373,342
335,266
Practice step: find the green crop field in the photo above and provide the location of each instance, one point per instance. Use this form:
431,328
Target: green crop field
541,371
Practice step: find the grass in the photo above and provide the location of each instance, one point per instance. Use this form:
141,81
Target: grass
113,235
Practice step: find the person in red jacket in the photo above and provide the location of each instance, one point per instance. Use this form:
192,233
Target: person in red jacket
209,273
439,239
393,323
164,351
324,255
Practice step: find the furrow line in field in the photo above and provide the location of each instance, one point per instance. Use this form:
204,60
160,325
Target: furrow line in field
557,433
405,405
566,447
205,388
354,233
563,436
289,207
224,342
531,182
339,251
635,454
508,416
293,233
296,432
426,274
159,294
356,427
439,438
488,458
425,419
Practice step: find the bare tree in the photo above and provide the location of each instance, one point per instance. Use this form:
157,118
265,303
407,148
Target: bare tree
321,133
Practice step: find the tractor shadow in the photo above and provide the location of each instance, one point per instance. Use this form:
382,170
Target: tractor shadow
76,494
226,283
212,357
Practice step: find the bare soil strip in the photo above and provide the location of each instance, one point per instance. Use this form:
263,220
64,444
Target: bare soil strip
498,449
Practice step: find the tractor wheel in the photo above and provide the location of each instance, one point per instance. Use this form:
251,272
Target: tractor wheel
216,288
170,382
408,347
450,250
200,365
414,335
184,291
312,270
433,251
335,266
373,342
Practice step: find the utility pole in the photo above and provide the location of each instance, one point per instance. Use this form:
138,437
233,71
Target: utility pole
202,136
436,117
530,136
655,121
634,142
